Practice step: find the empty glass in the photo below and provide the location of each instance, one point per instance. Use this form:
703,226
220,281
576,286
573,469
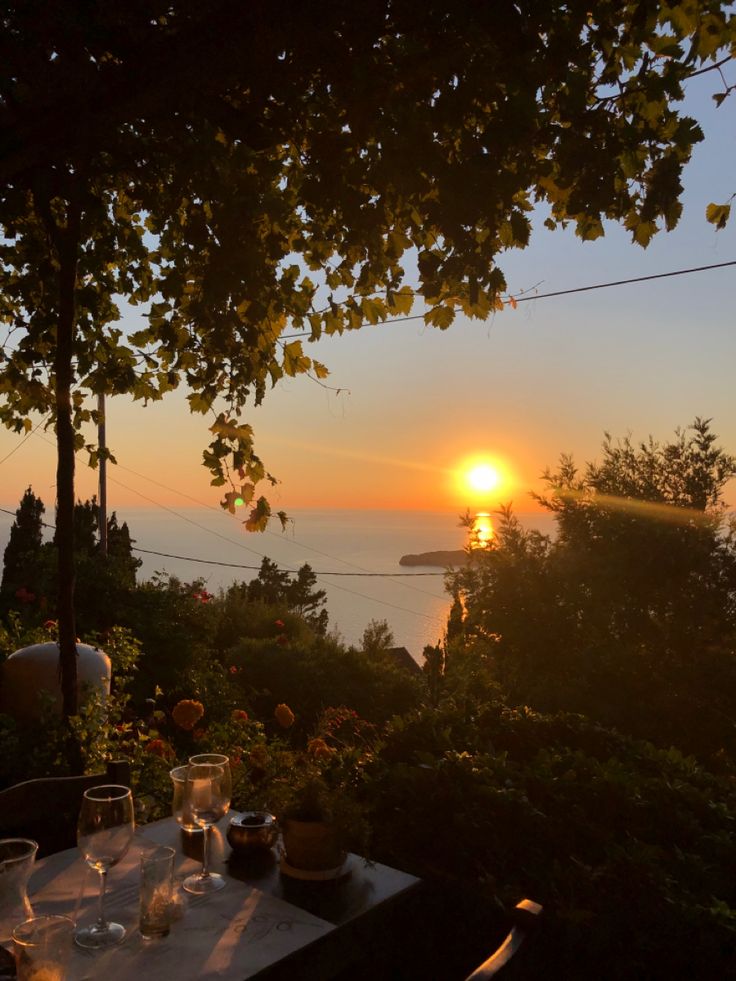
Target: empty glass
42,948
16,864
182,814
104,833
220,760
207,796
157,892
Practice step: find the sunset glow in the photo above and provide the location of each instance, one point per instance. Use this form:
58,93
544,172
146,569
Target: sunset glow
481,479
482,530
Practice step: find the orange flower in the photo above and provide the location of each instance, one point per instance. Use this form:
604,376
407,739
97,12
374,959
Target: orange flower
159,748
239,715
284,716
187,713
319,749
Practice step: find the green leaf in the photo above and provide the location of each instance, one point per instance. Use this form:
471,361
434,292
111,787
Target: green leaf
718,214
440,317
199,402
401,301
373,310
643,232
294,360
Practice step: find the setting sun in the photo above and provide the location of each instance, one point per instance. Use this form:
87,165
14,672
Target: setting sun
482,478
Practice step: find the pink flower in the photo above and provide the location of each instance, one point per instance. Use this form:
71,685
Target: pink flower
279,624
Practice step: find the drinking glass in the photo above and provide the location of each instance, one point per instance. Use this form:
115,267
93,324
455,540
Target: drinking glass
157,892
221,760
43,945
104,833
207,796
180,813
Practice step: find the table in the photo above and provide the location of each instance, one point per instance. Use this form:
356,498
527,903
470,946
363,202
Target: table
262,925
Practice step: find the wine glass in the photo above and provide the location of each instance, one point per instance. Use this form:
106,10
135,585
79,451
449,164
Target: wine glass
104,833
207,797
221,760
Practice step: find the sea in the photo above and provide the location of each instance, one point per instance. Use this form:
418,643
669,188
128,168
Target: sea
354,554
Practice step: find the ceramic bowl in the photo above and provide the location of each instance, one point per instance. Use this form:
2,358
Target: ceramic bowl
252,831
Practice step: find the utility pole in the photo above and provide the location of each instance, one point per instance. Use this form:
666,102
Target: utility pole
102,505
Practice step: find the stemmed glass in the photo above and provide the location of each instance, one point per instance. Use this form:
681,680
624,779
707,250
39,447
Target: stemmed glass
220,759
104,833
207,796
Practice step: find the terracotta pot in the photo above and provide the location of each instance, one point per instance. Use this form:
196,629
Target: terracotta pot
311,845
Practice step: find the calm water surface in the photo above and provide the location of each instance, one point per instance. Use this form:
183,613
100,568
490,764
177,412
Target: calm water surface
331,541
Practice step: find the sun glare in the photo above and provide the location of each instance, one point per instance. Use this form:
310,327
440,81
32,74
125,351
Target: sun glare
484,477
480,479
482,532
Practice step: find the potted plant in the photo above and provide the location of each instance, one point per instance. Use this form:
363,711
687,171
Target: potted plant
316,799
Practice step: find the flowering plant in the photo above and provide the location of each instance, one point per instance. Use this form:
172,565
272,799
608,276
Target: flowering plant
321,782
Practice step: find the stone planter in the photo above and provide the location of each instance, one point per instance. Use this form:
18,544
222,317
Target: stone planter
311,846
35,669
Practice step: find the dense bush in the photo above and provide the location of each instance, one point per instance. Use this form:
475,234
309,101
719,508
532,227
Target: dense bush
629,848
324,673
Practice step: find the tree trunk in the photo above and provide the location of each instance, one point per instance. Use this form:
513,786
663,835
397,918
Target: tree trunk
63,369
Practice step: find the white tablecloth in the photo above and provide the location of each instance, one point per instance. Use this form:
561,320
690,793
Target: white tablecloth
229,935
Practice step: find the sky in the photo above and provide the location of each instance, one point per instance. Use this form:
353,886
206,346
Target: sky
520,389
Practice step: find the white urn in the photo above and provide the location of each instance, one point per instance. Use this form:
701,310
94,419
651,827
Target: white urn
35,669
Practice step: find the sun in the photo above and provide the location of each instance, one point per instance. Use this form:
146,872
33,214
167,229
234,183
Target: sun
481,480
483,477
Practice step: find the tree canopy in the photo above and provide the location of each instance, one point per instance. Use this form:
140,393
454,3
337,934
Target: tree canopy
247,169
252,174
632,603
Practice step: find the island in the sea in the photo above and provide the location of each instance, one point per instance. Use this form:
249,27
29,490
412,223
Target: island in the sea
444,559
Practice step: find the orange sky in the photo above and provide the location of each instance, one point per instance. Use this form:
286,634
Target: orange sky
158,449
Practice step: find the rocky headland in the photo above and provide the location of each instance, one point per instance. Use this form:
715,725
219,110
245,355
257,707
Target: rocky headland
444,559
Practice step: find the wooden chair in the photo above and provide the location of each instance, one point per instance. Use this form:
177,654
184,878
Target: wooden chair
47,809
525,918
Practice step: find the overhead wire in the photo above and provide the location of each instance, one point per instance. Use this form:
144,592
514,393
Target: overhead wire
517,299
25,438
332,585
526,296
224,538
361,570
293,541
